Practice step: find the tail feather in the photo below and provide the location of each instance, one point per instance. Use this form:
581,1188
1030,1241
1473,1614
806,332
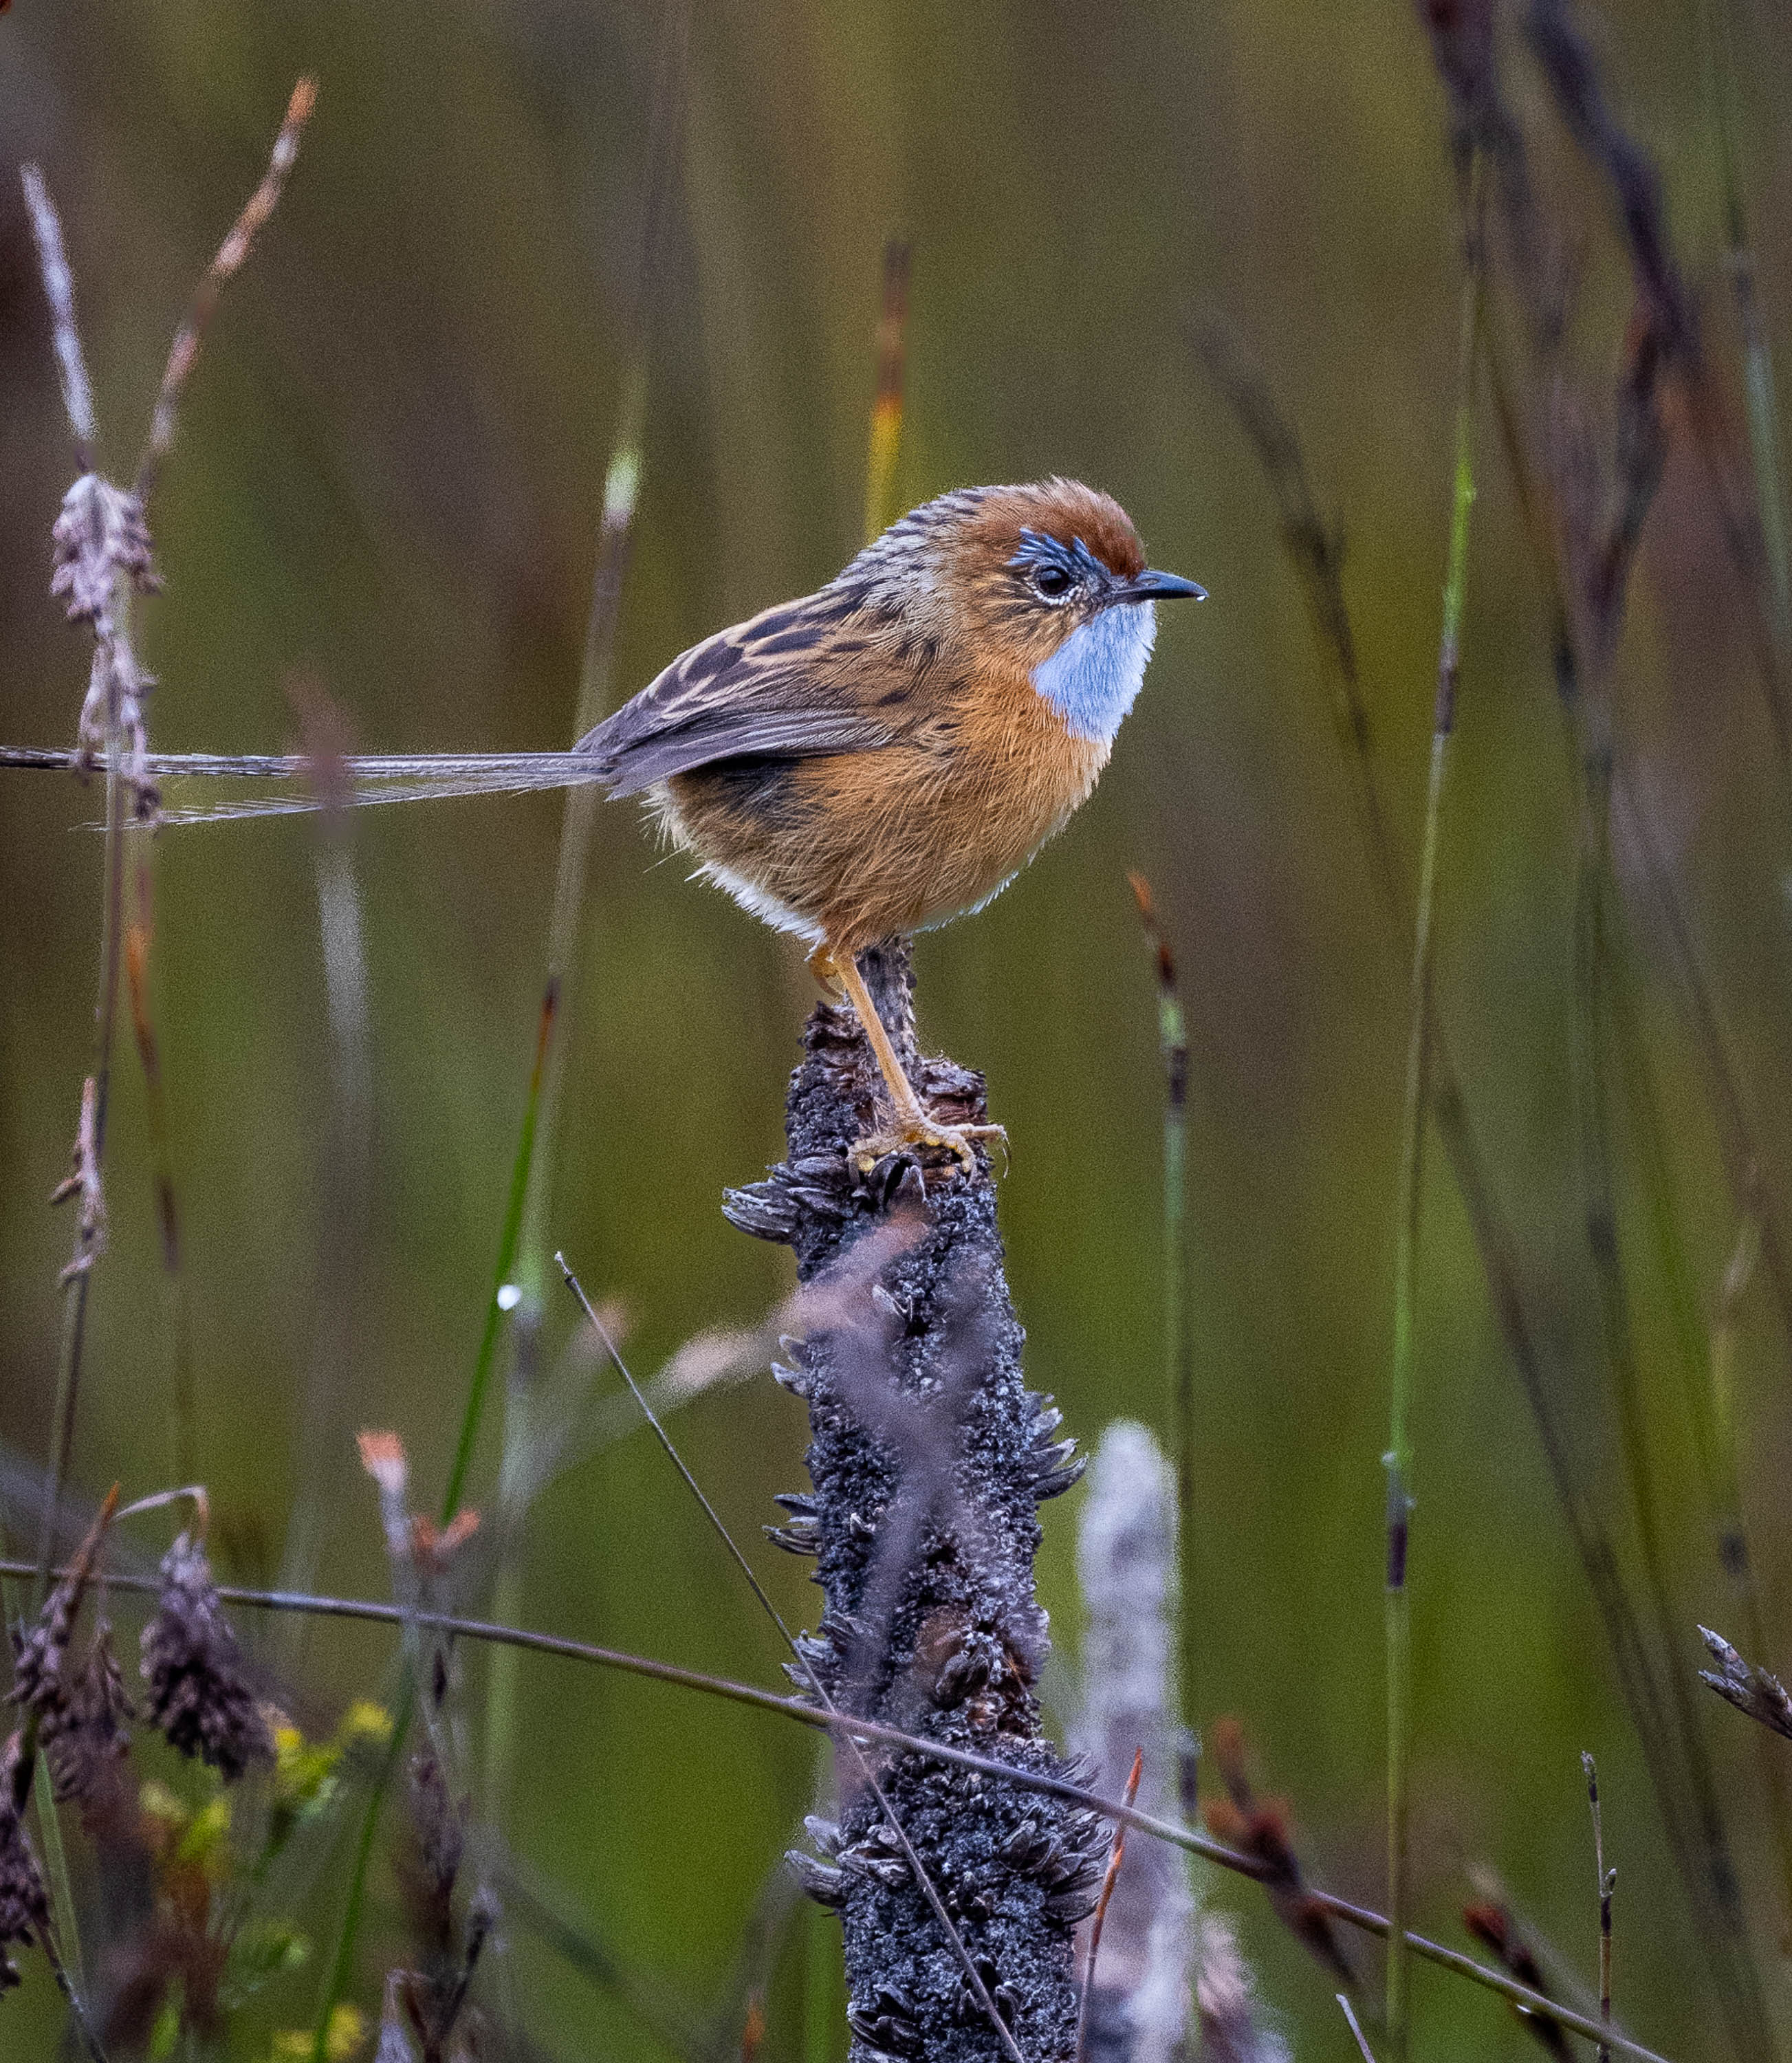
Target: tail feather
372,776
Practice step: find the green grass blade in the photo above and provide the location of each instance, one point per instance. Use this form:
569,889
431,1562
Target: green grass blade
1398,1609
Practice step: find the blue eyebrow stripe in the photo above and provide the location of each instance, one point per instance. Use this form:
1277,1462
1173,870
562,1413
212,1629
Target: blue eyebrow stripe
1074,558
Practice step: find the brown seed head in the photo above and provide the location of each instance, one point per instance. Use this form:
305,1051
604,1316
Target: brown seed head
198,1693
24,1906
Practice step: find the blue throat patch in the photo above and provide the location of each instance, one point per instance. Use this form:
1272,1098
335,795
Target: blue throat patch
1094,676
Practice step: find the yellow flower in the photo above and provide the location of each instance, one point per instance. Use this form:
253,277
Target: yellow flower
364,1722
348,2029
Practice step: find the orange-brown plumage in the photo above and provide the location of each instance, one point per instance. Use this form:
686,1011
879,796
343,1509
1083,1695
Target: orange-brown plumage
883,755
863,846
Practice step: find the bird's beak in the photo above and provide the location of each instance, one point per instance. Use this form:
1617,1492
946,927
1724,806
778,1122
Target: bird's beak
1159,587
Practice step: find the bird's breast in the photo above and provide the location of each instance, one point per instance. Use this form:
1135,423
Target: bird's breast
856,845
1018,771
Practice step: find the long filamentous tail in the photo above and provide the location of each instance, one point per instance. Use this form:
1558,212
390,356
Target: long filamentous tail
364,777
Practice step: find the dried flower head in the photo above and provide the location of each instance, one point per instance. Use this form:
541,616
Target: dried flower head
434,1992
1260,1826
1491,1922
383,1457
39,1653
440,1827
24,1906
99,535
101,539
1750,1689
198,1693
94,1732
41,1686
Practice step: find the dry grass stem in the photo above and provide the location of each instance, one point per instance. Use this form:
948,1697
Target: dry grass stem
1098,1919
1607,1883
82,1181
58,281
1362,2039
224,268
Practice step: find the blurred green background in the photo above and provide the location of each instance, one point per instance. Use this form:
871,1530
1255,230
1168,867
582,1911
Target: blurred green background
389,473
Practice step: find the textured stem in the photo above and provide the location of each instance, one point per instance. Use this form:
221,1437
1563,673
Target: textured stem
332,1394
139,937
928,1458
508,1239
1605,1880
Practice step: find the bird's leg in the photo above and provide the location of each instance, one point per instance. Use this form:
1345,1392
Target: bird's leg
821,966
911,1124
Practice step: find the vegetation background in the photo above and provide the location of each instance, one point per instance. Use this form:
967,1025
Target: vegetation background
389,474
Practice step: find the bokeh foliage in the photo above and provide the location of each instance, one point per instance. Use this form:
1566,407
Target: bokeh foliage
389,474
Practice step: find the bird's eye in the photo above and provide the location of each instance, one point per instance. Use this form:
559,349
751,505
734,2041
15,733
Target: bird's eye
1052,582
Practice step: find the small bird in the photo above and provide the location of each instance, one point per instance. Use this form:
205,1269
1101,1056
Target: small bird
881,757
866,763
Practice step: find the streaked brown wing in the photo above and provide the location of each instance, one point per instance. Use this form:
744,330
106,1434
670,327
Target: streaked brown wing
777,685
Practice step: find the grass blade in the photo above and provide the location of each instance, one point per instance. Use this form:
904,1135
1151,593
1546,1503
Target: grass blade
1398,1609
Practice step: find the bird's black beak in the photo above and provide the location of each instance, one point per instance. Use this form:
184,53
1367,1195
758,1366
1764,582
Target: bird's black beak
1159,587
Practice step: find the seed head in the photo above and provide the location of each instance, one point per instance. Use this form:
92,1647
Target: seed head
24,1905
198,1693
79,1711
39,1654
439,1826
94,1731
99,534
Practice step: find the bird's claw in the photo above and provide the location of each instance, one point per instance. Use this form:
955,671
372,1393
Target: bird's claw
920,1130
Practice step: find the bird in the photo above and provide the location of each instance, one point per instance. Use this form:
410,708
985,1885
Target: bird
865,762
885,754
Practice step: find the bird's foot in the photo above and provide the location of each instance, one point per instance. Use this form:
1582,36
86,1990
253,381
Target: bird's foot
915,1127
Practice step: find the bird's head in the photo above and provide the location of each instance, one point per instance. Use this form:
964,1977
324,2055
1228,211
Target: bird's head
1049,579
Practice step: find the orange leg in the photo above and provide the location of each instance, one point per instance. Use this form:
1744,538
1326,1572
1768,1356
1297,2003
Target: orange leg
912,1125
821,966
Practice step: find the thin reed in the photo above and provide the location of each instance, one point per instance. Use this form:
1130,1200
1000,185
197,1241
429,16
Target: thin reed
1414,1112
